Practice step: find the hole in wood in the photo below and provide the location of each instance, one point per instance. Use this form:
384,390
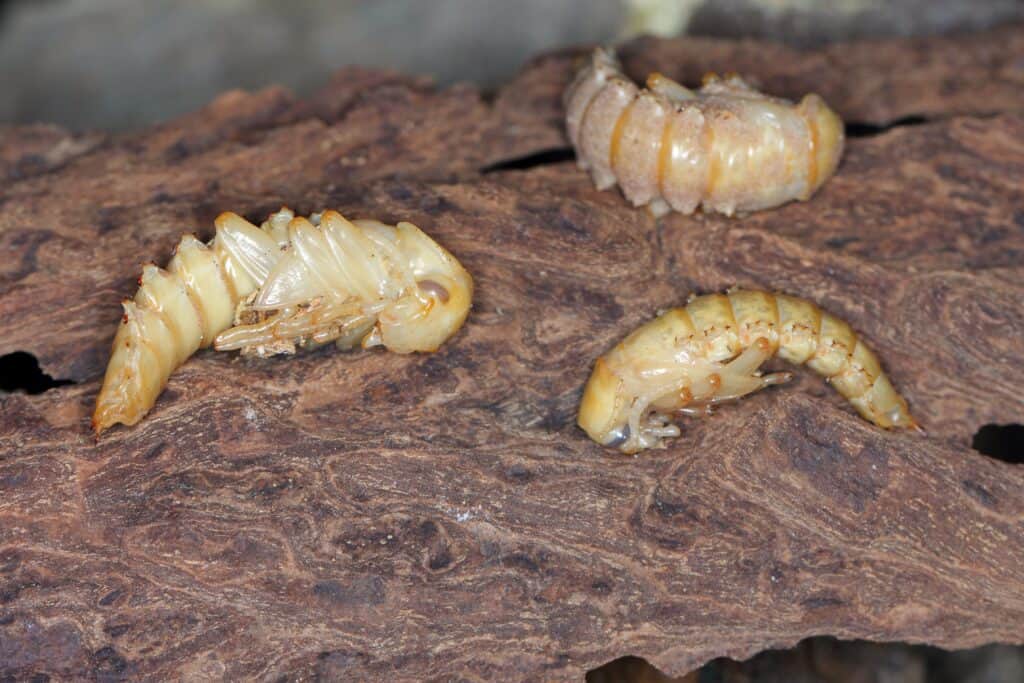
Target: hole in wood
868,130
634,670
824,659
545,157
1002,442
19,371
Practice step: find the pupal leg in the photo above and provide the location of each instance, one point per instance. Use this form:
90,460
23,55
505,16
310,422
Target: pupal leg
740,376
257,335
311,324
691,408
700,410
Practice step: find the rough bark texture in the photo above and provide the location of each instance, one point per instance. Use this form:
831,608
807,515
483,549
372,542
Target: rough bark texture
368,515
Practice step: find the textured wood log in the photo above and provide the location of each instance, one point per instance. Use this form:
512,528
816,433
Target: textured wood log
372,516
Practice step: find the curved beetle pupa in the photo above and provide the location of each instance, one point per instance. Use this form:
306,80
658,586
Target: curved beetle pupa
725,147
292,282
709,351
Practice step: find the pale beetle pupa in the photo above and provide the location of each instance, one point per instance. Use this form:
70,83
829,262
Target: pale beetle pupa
293,282
688,359
725,147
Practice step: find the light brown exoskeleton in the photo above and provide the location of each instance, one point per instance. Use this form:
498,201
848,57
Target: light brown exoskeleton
293,282
709,351
725,147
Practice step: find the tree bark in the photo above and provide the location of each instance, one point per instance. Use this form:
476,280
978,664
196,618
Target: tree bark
372,516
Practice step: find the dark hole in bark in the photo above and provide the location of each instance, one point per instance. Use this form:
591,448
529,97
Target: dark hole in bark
19,371
1002,442
867,130
546,157
628,670
829,660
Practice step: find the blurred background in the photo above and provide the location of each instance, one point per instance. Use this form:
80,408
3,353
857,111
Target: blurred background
122,64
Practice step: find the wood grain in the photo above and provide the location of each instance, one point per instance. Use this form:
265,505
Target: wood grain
370,516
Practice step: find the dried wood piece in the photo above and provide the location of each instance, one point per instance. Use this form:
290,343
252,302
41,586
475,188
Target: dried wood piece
370,516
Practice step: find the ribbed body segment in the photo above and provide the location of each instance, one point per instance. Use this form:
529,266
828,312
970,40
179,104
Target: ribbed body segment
710,351
177,311
725,147
290,283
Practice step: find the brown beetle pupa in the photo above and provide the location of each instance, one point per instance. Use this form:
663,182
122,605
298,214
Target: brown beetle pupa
690,358
291,282
725,147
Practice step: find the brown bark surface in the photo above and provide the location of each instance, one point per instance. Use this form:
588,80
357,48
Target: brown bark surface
373,516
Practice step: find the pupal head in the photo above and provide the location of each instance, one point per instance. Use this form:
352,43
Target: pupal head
602,412
635,388
437,308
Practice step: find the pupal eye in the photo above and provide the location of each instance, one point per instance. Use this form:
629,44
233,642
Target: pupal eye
434,289
618,437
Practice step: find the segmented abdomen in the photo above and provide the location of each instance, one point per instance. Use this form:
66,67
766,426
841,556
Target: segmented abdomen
177,311
710,351
725,147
